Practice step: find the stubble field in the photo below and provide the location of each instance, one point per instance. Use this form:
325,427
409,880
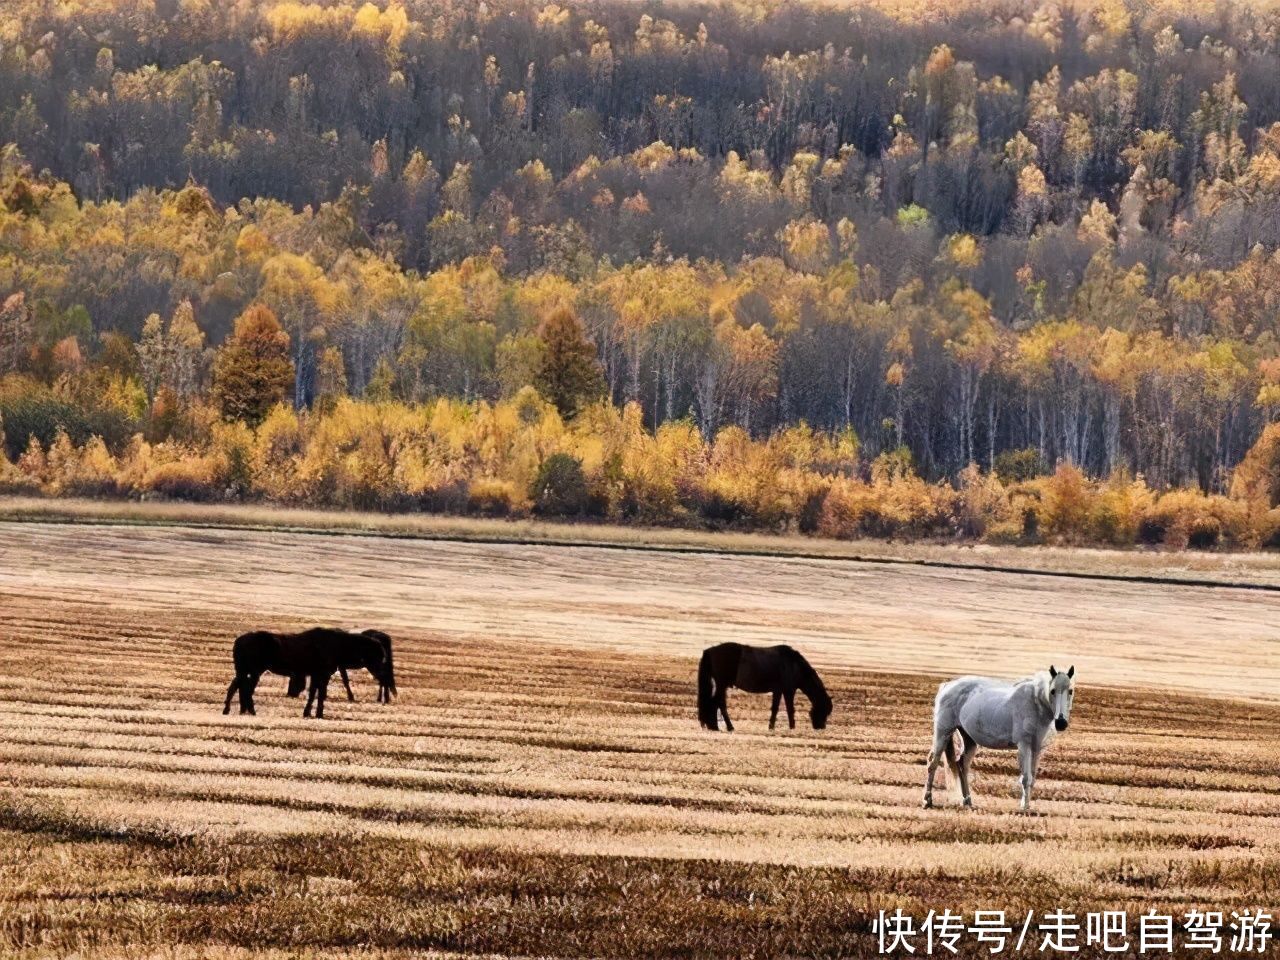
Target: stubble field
541,786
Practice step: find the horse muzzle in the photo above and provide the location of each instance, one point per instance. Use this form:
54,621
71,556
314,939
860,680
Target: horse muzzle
1060,724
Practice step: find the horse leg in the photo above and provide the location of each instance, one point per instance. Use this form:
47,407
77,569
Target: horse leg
323,691
790,697
941,744
723,703
1027,764
351,697
311,698
235,682
773,713
966,758
248,684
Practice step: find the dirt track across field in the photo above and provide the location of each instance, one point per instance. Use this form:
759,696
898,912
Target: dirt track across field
542,787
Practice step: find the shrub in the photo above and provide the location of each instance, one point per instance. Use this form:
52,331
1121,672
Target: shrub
60,464
277,445
810,517
1257,478
186,479
1204,533
981,502
33,462
93,472
718,503
757,484
1008,532
1189,518
1018,466
1118,511
233,455
1266,528
491,497
367,476
453,497
893,463
29,409
1030,524
1066,502
655,479
14,481
802,448
904,506
560,489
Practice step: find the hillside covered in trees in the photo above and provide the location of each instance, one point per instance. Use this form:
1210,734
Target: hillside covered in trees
859,268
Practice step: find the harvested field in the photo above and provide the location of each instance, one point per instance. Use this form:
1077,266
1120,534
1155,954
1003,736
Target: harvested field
541,787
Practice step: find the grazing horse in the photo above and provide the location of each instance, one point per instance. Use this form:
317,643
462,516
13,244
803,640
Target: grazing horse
314,653
1020,716
777,670
298,682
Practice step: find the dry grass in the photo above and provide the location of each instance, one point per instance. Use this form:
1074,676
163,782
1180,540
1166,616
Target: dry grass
1260,568
541,787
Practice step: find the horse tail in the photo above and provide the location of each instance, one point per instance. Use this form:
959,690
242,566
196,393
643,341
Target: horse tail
953,768
706,693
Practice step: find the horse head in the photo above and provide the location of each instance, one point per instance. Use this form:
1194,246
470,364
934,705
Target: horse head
378,662
820,710
1062,693
820,704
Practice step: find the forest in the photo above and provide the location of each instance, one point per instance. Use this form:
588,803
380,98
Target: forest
1006,270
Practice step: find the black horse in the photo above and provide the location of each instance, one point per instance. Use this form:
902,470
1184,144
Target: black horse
314,653
778,670
298,682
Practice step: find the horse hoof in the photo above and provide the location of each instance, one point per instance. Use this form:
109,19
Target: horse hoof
928,803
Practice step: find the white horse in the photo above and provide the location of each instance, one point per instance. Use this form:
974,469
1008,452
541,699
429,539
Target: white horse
1002,716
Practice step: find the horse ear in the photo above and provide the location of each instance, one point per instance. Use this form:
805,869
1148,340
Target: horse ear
1072,671
1052,671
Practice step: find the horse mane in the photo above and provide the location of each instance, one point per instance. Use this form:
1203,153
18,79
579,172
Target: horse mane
810,680
795,656
1040,681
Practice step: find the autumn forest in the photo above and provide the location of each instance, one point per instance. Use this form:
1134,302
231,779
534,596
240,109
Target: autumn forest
1004,270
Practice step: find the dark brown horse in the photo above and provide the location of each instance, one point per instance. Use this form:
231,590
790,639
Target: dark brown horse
298,682
778,670
314,653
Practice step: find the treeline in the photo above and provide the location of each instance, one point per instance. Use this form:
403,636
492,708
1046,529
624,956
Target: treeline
1033,232
521,457
133,298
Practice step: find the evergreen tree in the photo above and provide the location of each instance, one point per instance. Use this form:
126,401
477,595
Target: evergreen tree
569,374
252,372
